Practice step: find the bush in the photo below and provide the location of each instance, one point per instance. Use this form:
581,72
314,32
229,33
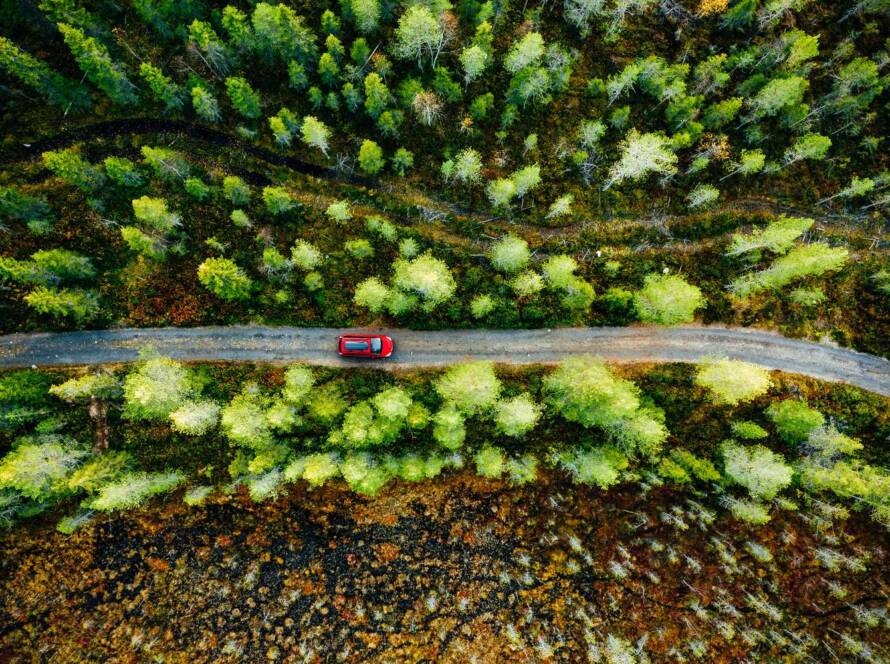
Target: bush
339,212
794,420
236,190
748,431
305,256
373,294
448,427
157,387
195,418
472,388
490,462
40,470
748,511
298,382
732,381
559,271
600,466
370,157
77,304
527,283
393,404
808,260
363,475
667,300
517,416
278,200
243,421
223,278
318,468
133,489
762,472
425,276
509,254
481,306
584,391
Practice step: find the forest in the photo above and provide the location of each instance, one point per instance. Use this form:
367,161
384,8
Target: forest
444,165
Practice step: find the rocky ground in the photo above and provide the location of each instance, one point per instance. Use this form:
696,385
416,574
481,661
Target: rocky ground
457,570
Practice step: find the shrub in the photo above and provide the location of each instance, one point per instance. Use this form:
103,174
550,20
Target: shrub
794,420
244,422
39,470
373,294
418,34
828,443
748,430
427,277
481,306
370,157
123,172
583,390
318,468
559,271
748,511
223,278
72,303
278,200
195,417
702,196
363,475
339,212
448,427
197,495
777,237
667,300
326,403
298,382
526,52
205,104
490,462
236,190
509,254
527,283
600,466
360,249
517,416
762,472
808,260
472,388
305,256
523,470
733,381
133,489
393,404
156,387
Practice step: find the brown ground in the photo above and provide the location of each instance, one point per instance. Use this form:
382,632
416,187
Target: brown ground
457,570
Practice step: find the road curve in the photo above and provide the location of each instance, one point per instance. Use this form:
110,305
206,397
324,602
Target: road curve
435,348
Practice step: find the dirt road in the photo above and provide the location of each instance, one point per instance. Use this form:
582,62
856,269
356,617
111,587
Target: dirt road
435,348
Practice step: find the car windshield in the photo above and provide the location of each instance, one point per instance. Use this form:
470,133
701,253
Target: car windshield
376,345
355,344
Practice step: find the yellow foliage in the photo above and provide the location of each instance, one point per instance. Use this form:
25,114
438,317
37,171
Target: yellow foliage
711,7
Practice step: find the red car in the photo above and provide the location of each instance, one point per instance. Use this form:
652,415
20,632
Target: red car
365,345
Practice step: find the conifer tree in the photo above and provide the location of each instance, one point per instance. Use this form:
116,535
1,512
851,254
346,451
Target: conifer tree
99,67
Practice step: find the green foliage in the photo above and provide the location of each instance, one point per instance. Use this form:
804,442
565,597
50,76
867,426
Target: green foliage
162,87
363,475
667,299
77,304
98,66
315,134
777,237
153,213
490,462
425,276
527,283
402,161
205,104
642,155
316,469
509,254
133,489
326,403
748,511
195,418
39,470
69,166
123,172
762,472
156,387
419,35
305,256
733,381
37,75
600,466
236,190
98,471
794,420
100,385
808,146
278,200
517,416
282,34
370,157
243,97
747,430
803,261
778,96
583,390
223,278
481,306
449,429
472,388
693,466
244,423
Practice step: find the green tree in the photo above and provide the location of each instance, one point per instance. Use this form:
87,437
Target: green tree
123,172
376,95
74,169
76,304
365,14
205,104
808,146
156,387
328,70
98,66
583,390
777,96
204,40
281,33
733,381
236,190
195,418
316,134
794,420
40,470
517,416
474,59
667,300
642,155
243,97
223,278
762,472
153,213
472,388
419,34
370,157
813,259
38,76
278,200
402,161
526,52
509,254
777,237
426,276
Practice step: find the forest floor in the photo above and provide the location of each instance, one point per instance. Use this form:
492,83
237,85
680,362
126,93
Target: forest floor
434,348
460,570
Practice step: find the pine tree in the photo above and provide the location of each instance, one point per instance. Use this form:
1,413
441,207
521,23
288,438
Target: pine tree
99,67
282,34
37,75
205,104
370,157
316,134
222,277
